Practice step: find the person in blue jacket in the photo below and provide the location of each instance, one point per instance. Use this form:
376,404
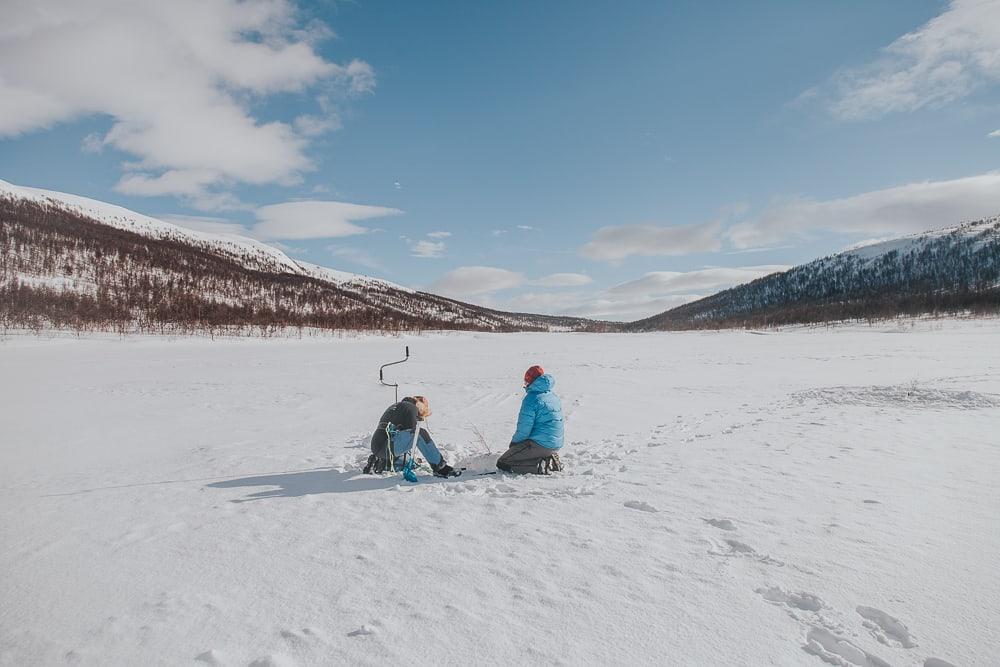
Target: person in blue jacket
539,432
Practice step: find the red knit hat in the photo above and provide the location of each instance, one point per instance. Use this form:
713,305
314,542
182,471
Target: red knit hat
533,374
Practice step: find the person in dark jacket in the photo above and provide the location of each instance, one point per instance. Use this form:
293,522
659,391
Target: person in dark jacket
397,432
539,432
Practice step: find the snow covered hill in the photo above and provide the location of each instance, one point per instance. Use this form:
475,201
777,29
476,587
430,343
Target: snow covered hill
59,269
249,252
62,265
948,270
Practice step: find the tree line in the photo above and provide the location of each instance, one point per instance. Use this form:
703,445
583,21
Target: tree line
943,274
61,269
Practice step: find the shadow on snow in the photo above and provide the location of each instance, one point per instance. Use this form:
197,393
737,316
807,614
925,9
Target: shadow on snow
310,482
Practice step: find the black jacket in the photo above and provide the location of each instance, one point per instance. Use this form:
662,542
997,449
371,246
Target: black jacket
403,415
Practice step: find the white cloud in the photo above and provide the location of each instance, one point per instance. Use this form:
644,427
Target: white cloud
177,78
643,297
994,134
591,305
355,256
906,209
757,249
613,244
660,283
194,185
308,125
361,77
944,60
468,281
92,143
206,224
636,299
526,228
428,249
314,219
563,280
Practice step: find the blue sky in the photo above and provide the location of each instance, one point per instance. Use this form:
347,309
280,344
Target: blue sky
587,158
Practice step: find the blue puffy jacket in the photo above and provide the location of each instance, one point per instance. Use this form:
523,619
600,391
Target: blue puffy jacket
541,417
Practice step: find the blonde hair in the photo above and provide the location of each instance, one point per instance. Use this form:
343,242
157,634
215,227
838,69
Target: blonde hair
423,406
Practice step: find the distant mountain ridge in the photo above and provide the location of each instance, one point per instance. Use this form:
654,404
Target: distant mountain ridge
250,252
949,270
69,261
77,263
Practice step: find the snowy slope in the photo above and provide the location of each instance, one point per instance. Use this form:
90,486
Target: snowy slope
806,498
59,248
250,252
953,269
345,278
977,231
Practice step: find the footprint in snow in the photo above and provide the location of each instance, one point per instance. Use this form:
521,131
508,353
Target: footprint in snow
734,548
273,660
639,505
364,630
740,547
801,601
835,650
212,657
721,524
297,638
886,629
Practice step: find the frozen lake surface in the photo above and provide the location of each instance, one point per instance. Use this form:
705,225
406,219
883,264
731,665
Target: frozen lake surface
787,498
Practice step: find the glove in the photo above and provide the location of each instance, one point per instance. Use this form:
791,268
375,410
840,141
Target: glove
444,470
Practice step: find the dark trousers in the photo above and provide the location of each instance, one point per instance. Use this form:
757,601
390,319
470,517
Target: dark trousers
528,456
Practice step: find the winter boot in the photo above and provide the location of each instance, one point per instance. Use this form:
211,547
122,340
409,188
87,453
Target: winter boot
442,469
374,466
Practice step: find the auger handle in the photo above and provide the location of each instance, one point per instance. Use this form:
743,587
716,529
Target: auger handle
381,377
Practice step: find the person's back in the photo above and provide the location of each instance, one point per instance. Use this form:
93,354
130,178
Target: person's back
539,432
403,415
397,432
543,411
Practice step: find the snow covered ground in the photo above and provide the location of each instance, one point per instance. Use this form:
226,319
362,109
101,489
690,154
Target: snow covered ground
730,498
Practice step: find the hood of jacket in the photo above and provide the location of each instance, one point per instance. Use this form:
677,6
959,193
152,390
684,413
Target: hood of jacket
541,384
